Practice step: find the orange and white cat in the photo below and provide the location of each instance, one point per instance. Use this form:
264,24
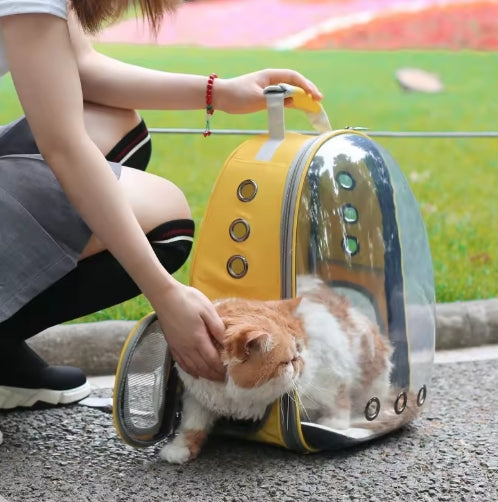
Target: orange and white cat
316,344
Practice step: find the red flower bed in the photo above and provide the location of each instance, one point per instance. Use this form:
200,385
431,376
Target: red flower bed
460,26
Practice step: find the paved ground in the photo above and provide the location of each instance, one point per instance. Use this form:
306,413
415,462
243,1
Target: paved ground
257,23
73,454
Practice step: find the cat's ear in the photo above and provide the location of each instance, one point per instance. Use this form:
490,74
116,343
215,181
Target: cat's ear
286,307
243,344
257,342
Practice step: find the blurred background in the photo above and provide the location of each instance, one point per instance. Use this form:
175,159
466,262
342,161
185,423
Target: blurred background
392,66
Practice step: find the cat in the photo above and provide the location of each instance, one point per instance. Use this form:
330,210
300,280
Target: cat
316,344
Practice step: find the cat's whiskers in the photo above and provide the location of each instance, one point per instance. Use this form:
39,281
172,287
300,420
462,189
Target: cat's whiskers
308,397
301,405
281,406
318,388
287,414
287,417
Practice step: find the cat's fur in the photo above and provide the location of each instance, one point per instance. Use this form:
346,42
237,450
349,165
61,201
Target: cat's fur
316,344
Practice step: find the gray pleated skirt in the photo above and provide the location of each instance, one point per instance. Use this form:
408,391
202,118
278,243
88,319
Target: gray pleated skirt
41,234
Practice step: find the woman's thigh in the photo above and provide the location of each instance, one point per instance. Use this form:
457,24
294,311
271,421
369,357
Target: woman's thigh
106,125
154,201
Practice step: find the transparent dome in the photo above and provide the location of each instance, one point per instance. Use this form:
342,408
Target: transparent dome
359,228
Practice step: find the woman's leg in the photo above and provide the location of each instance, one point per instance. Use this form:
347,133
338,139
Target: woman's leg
96,283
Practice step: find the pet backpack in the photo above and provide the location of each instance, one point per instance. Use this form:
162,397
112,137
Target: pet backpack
333,206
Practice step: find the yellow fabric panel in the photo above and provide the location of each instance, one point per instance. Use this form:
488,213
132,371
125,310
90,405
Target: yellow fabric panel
272,431
261,249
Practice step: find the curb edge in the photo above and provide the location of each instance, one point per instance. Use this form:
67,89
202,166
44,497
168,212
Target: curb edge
95,347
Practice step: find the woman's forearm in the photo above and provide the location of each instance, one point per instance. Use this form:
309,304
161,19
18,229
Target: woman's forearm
107,81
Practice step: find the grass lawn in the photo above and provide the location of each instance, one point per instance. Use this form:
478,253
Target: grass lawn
455,181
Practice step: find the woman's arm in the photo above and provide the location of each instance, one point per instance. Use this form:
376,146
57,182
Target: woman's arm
113,83
45,74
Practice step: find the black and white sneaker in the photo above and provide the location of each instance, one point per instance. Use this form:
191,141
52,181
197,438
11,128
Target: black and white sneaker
51,385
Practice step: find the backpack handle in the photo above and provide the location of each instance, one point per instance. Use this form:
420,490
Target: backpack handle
275,96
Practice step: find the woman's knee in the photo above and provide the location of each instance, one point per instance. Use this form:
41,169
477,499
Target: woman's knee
154,199
172,242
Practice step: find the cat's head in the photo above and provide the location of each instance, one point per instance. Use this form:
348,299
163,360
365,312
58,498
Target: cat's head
263,343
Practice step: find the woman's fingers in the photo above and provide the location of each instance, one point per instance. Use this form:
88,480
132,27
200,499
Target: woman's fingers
244,94
212,367
213,323
294,78
191,325
184,365
198,365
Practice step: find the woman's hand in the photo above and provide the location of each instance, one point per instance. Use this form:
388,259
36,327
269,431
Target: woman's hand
244,94
190,322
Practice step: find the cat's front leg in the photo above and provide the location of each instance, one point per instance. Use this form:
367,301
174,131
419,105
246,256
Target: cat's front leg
194,428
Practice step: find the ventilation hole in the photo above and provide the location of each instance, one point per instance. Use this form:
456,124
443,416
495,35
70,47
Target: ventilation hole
422,395
372,409
349,213
345,180
247,190
350,245
239,230
400,403
237,266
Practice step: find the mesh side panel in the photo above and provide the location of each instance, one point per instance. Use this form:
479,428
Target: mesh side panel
144,391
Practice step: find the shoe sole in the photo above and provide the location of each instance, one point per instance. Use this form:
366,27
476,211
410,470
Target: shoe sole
12,397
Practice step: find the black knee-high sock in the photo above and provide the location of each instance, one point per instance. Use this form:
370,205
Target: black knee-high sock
134,149
98,282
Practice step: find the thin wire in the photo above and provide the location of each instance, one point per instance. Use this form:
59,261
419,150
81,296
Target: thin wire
386,134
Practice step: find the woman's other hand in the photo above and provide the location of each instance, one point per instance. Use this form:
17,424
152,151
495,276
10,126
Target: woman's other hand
244,94
190,323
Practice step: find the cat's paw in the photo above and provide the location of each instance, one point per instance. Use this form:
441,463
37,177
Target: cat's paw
175,452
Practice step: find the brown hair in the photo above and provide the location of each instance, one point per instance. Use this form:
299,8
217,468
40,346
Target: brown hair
92,14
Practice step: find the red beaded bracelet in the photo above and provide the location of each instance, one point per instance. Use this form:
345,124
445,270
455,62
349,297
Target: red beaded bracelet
209,103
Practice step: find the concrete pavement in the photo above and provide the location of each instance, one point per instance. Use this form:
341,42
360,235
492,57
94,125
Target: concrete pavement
449,454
